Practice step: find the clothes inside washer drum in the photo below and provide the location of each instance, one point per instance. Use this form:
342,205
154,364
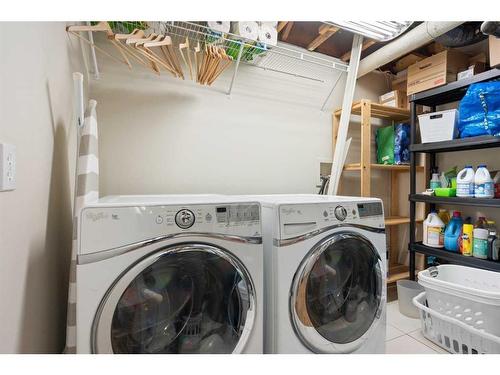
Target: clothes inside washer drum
183,303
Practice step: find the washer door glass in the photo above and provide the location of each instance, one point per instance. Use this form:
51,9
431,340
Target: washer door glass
189,299
338,293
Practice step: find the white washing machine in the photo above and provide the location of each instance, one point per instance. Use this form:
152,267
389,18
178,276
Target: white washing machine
325,259
170,274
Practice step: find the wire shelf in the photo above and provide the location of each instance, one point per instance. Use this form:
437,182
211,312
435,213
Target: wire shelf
278,58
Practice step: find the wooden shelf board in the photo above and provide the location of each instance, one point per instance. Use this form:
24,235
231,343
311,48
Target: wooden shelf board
396,220
386,167
398,276
380,111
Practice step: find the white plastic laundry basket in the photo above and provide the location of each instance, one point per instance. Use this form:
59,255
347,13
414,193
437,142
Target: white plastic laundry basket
467,294
452,334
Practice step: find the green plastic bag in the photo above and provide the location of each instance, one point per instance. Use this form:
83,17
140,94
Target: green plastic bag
385,145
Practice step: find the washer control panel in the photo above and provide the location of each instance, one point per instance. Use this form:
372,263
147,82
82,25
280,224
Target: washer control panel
184,218
113,226
299,219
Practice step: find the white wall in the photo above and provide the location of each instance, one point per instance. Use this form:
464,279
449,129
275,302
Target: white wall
35,219
164,135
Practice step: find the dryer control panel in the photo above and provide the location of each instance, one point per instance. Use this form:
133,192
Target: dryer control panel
299,219
103,228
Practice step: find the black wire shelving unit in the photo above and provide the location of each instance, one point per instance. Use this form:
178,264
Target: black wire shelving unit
441,95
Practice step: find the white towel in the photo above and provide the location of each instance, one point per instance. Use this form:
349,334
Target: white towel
268,35
220,26
246,29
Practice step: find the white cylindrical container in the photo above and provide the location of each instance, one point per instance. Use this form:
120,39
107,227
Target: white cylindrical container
483,184
465,182
480,243
433,231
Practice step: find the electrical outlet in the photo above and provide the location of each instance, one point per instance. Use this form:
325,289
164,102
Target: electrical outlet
7,167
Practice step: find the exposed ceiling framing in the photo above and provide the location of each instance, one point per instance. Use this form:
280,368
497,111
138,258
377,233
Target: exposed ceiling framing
324,32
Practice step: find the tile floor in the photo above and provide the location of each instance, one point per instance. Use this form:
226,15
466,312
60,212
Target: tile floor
404,335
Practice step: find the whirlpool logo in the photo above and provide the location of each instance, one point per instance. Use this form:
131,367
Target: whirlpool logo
290,211
95,216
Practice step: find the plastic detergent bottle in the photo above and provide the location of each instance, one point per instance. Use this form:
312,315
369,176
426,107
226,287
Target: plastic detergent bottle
467,235
435,183
433,231
444,216
453,232
483,184
480,243
465,182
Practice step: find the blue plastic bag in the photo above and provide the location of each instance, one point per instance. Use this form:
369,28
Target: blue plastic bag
401,144
479,110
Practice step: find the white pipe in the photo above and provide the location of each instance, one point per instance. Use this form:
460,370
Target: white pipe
78,98
415,38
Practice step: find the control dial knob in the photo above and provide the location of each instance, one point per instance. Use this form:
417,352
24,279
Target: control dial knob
340,213
184,219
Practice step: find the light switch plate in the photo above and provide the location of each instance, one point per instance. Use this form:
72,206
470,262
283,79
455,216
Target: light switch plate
7,167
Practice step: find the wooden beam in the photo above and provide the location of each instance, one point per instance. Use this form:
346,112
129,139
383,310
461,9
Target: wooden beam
366,140
347,56
324,32
281,25
287,30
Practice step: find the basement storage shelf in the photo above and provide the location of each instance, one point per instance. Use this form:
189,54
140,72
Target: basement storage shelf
368,111
442,95
274,58
280,58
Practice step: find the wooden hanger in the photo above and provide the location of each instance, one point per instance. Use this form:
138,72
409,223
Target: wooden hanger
197,61
189,64
102,26
225,64
136,33
166,60
137,42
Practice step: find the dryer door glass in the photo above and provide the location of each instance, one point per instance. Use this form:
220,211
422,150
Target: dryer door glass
338,292
187,299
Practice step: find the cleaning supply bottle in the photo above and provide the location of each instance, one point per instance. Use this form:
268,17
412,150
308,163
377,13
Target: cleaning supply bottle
483,184
444,215
443,181
480,223
467,236
496,185
480,243
452,232
435,183
433,231
465,182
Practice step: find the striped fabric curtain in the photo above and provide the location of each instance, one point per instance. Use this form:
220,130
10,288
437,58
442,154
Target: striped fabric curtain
86,191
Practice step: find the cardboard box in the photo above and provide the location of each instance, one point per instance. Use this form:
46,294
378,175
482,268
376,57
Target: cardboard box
471,71
395,98
494,45
408,60
435,71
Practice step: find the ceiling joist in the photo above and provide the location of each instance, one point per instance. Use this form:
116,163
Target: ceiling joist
368,43
281,25
287,30
324,32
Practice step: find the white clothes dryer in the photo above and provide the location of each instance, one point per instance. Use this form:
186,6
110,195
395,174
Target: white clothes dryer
325,277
